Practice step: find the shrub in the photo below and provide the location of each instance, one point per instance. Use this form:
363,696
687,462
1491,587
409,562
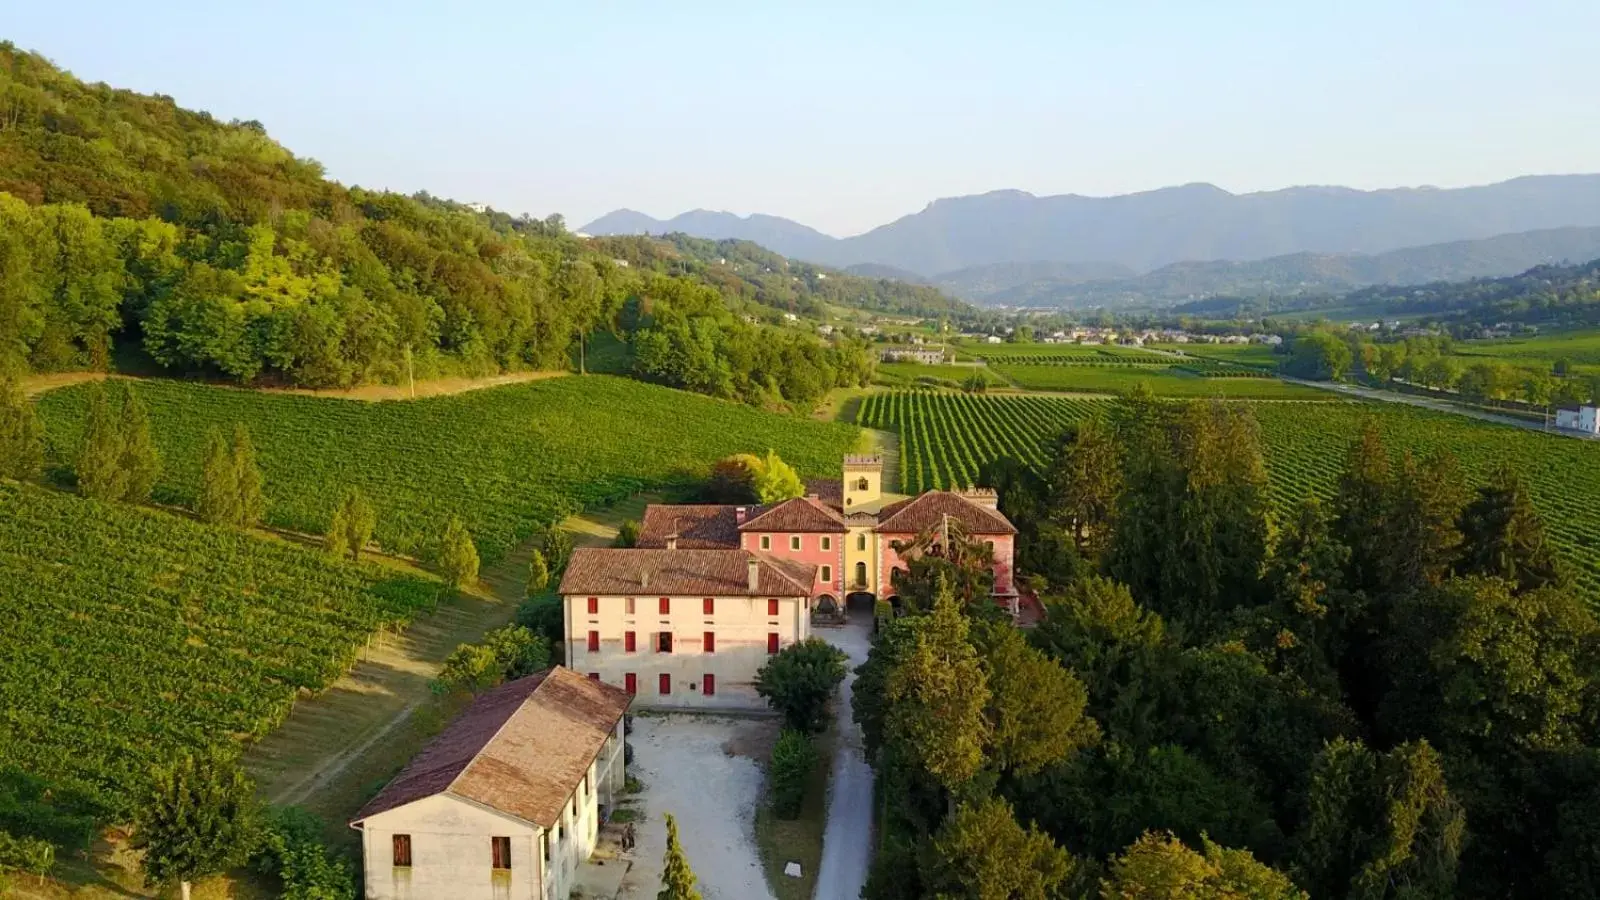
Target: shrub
25,854
292,852
798,682
793,758
543,614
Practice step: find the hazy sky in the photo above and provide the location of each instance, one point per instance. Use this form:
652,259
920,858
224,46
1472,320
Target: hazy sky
848,115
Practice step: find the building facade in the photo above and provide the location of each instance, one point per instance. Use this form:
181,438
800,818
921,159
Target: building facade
688,617
507,802
1585,419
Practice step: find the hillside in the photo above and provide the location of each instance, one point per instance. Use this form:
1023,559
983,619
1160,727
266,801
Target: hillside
1195,222
1298,273
787,237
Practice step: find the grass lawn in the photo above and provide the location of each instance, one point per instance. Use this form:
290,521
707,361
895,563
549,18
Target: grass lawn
1581,347
800,839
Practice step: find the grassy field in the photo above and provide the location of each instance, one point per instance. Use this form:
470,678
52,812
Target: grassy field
507,460
908,373
1578,347
1065,351
1242,354
1166,382
946,438
799,839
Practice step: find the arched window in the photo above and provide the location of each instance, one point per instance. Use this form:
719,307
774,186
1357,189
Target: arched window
862,485
861,574
861,542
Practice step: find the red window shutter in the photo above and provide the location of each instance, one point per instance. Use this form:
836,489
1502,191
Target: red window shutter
710,642
630,683
666,605
772,642
594,606
772,607
710,604
594,676
630,641
594,642
664,685
708,685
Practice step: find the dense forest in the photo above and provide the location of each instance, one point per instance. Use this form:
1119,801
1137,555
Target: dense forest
129,222
1393,695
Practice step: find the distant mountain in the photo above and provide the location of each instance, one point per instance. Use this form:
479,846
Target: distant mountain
1144,231
878,270
978,283
1305,273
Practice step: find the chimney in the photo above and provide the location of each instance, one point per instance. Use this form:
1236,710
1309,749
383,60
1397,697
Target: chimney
753,569
739,512
672,541
644,578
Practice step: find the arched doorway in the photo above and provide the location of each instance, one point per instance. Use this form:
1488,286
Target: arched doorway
860,582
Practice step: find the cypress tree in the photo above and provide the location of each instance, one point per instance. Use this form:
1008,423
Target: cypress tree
677,879
21,436
100,472
140,461
538,574
458,558
247,479
1503,537
1360,508
337,541
359,520
218,501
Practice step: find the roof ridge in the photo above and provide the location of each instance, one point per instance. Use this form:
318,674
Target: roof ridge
543,680
777,566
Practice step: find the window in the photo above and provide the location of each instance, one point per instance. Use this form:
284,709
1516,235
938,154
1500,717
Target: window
862,485
708,685
664,642
827,574
666,606
594,606
710,642
772,642
402,849
861,544
794,542
827,543
630,641
861,574
766,542
664,685
594,676
630,683
502,852
594,642
708,606
629,603
772,607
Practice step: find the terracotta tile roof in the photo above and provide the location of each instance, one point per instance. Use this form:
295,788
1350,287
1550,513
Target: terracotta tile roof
799,514
829,490
698,527
927,511
683,573
521,748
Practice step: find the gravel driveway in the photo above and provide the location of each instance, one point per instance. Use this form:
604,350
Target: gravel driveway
847,841
686,770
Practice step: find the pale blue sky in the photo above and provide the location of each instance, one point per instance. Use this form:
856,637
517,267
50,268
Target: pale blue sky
848,115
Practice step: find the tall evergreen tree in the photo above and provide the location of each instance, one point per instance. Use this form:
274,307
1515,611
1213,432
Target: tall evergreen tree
538,573
677,879
1036,707
937,695
21,435
1084,482
218,501
1420,539
457,557
337,540
1360,508
247,479
198,819
1502,536
100,472
140,462
358,519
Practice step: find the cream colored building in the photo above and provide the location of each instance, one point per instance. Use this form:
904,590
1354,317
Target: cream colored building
507,802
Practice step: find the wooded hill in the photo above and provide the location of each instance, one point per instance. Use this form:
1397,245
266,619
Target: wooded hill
127,220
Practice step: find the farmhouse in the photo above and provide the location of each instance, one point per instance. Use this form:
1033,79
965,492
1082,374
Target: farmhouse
1585,419
688,617
507,802
926,357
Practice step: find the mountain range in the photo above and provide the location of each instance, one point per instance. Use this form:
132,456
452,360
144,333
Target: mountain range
985,245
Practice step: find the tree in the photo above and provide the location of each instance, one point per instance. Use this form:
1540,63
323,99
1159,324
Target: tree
1036,708
1161,867
247,480
21,435
100,473
1111,643
337,541
32,855
627,535
777,481
1318,355
677,880
557,548
1502,536
354,519
1360,507
1085,480
140,463
1420,540
506,654
292,852
733,479
218,502
936,698
197,819
982,853
794,757
798,682
538,573
457,558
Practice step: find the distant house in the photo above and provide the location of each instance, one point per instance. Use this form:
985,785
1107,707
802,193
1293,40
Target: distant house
993,339
507,801
926,357
825,329
1585,419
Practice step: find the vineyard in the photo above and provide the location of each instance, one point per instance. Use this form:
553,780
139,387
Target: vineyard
505,459
130,634
1188,379
946,438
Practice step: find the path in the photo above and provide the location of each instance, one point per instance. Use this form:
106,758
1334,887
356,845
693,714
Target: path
847,842
1438,405
33,385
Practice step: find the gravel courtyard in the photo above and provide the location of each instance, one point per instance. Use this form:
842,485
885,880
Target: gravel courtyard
700,769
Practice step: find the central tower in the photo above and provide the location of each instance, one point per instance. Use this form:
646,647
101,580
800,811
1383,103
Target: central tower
863,480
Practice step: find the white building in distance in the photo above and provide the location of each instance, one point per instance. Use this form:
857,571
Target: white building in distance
1585,419
926,356
507,802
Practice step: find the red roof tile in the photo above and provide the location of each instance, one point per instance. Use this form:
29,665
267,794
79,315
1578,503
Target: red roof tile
698,527
928,511
521,748
683,573
799,514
